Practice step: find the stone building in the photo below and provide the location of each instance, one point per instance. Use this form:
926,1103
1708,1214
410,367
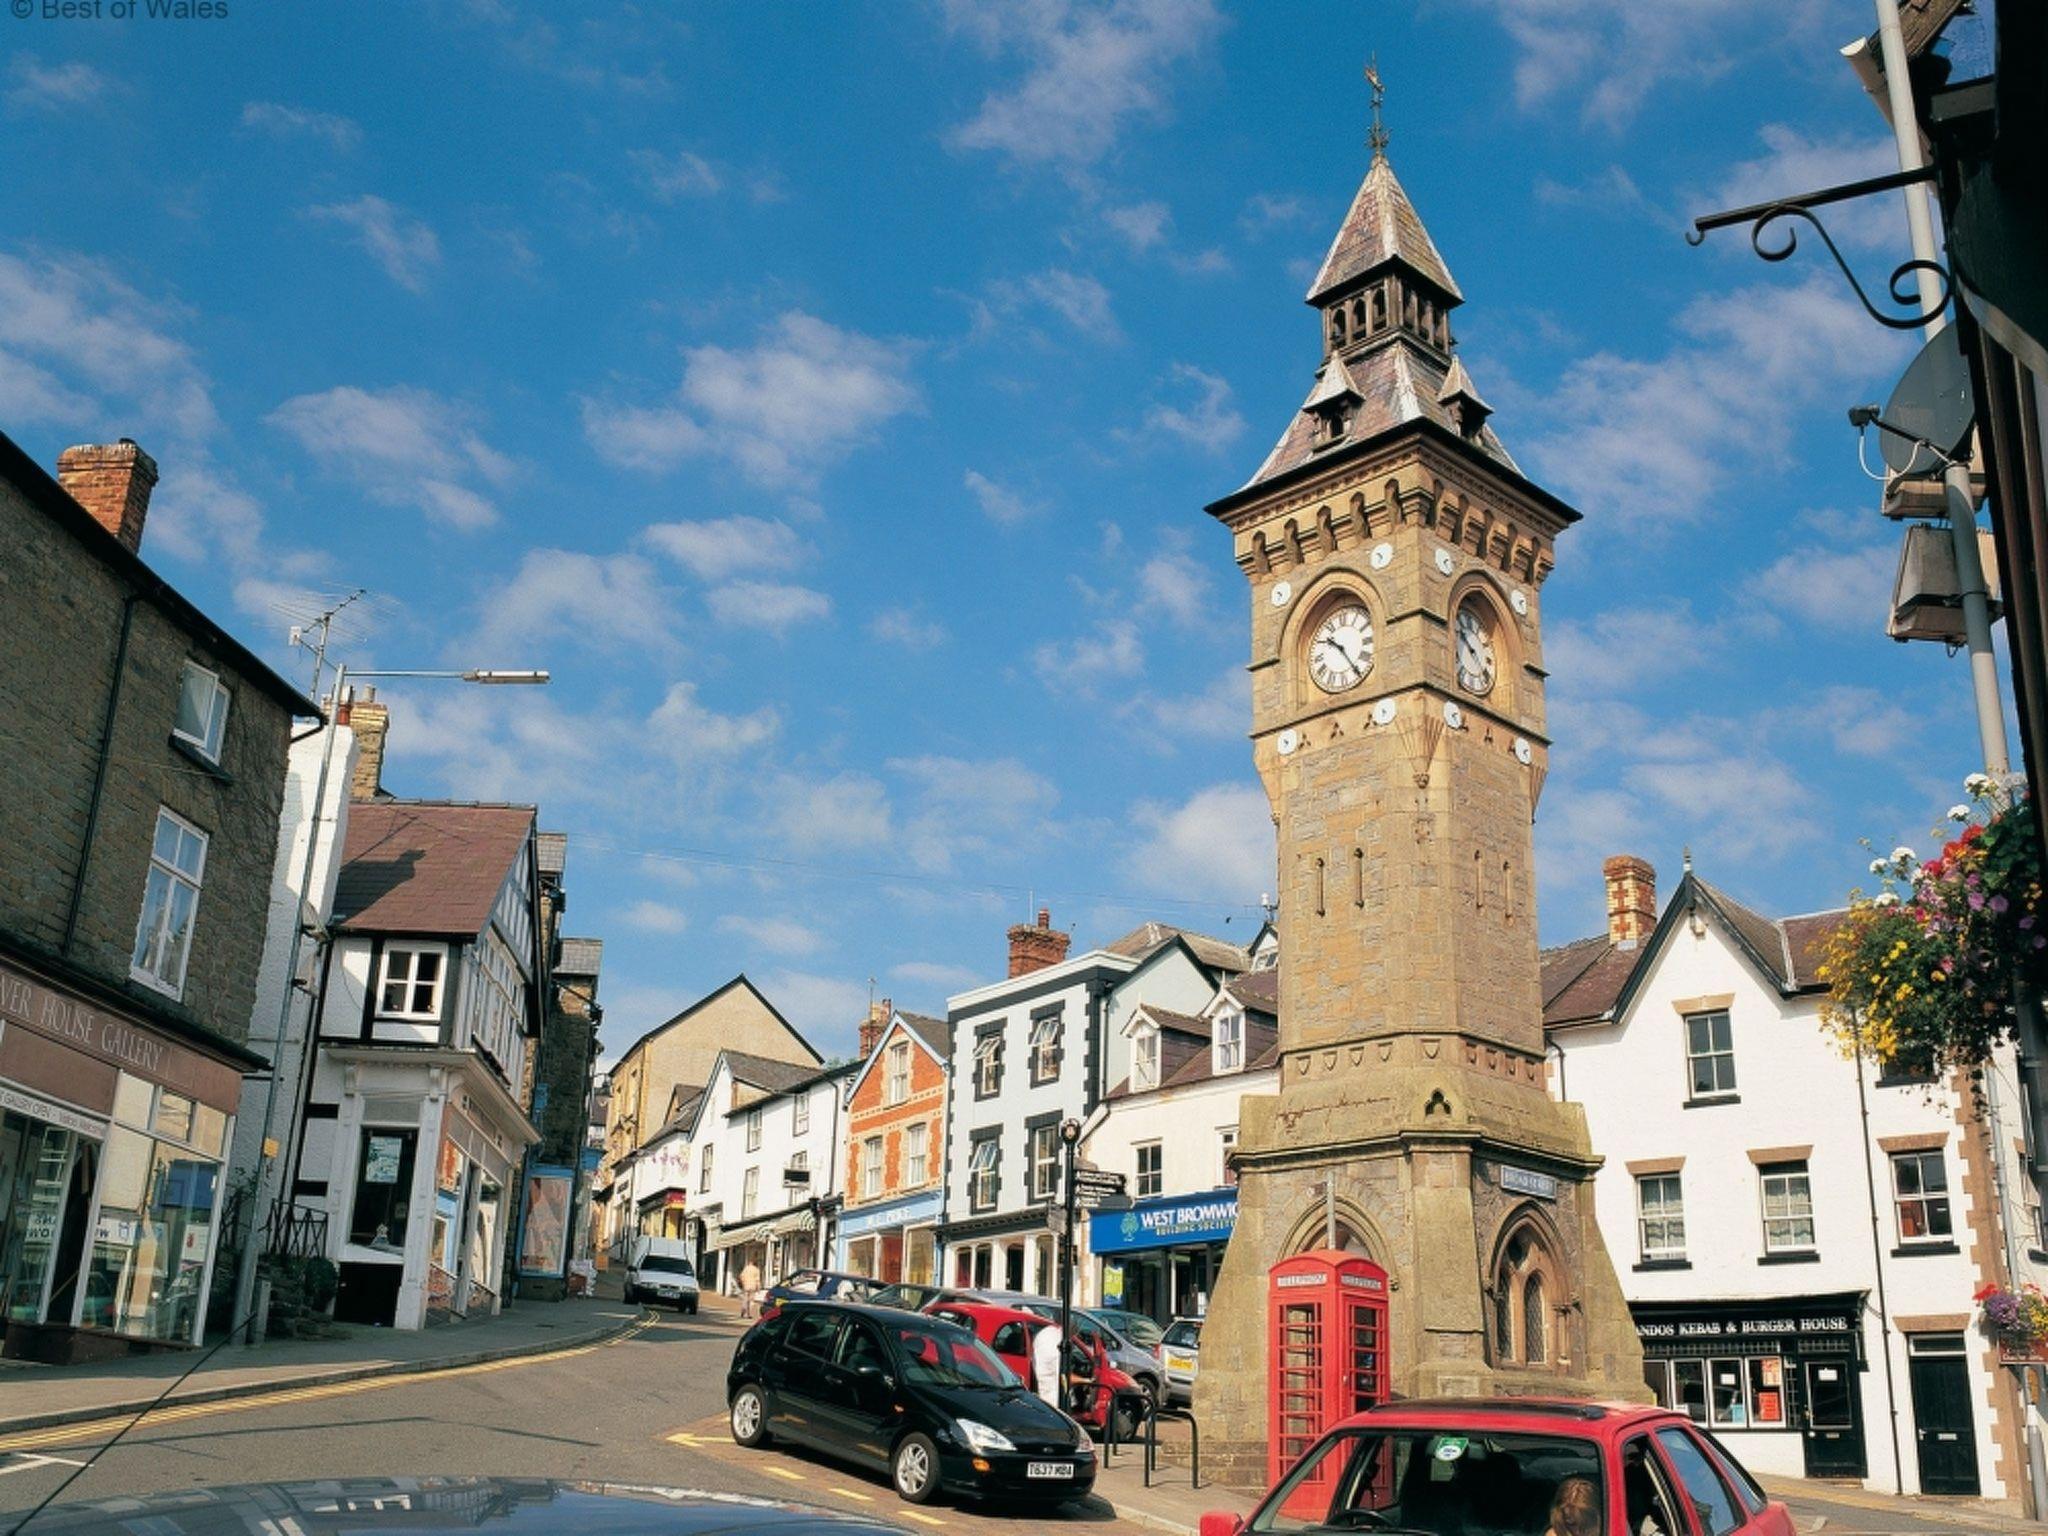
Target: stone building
146,754
1395,555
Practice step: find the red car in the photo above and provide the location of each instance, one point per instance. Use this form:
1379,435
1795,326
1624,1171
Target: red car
1515,1467
1096,1388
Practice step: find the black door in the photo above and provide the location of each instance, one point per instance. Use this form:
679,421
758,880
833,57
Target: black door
1945,1434
1830,1425
860,1394
794,1374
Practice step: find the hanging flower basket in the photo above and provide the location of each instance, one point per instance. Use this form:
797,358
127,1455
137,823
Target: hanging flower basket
2017,1320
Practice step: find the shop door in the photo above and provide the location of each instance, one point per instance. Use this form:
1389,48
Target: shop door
1831,1427
1944,1431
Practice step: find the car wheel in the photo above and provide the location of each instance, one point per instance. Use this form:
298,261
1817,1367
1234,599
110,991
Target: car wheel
750,1418
1130,1422
914,1469
691,1309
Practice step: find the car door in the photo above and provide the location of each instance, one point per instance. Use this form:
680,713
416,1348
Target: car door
1649,1499
794,1374
861,1386
1716,1510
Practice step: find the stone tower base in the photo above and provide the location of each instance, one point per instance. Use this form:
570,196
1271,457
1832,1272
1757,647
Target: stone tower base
1444,1154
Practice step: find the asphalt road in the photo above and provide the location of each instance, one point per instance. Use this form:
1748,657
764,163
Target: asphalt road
645,1408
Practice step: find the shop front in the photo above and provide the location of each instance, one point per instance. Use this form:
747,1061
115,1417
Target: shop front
893,1241
112,1136
1781,1379
1161,1257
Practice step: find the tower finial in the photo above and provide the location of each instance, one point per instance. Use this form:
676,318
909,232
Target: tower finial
1377,138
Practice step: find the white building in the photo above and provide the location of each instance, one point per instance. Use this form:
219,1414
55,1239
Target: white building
1745,1155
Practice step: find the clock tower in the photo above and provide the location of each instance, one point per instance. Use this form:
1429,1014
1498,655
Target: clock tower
1396,556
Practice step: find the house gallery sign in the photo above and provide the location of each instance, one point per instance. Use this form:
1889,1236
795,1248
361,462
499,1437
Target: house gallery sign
111,1038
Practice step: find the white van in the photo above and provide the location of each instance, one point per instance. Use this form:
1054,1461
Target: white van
660,1271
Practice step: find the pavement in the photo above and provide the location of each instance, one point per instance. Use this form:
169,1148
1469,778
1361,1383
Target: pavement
1847,1509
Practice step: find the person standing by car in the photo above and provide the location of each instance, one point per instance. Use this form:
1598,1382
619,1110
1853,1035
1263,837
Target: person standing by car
750,1287
1046,1345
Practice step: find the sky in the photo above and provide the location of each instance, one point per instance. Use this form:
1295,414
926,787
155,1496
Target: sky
828,396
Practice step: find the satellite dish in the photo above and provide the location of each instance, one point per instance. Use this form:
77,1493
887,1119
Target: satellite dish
1932,403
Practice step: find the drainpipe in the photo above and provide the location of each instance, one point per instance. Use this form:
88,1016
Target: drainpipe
1884,1316
99,774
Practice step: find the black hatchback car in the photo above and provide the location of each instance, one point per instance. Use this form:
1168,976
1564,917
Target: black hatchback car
900,1392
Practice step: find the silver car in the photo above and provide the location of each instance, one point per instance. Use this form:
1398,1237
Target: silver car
1180,1351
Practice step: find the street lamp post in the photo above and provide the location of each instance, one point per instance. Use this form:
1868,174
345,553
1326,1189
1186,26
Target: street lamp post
245,1277
1070,1141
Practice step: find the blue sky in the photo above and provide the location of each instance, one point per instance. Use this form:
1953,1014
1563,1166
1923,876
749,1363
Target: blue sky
829,394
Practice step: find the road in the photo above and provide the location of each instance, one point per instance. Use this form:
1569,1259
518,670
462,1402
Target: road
645,1408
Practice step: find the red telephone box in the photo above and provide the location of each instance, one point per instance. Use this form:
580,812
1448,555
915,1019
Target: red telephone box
1327,1335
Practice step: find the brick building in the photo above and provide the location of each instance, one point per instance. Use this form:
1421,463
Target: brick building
895,1148
146,753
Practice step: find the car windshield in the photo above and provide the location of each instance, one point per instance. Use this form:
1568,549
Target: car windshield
1182,1335
1135,1326
1441,1482
662,1263
950,1357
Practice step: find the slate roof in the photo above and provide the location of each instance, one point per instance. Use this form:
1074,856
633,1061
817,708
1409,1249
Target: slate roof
580,957
1581,980
1381,226
426,866
1258,989
1147,938
770,1074
936,1033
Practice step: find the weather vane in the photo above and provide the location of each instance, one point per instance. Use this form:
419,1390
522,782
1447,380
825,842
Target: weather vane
1377,139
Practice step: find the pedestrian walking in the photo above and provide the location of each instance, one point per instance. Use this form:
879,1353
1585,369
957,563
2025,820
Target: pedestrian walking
750,1287
1045,1362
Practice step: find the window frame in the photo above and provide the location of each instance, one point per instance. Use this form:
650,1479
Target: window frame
750,1192
1141,1040
704,1168
1228,1033
1716,1055
1787,1171
895,1084
754,1129
917,1154
1139,1185
219,702
1226,1137
1666,1216
871,1150
988,1062
984,1171
411,983
174,878
1927,1199
800,1113
1045,1047
1048,1130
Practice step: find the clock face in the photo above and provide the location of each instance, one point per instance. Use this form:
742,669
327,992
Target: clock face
1340,654
1475,649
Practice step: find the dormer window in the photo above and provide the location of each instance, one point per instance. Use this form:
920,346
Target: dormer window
1145,1058
1331,425
1229,1038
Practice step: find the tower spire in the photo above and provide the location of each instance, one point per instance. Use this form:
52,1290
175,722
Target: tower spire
1376,139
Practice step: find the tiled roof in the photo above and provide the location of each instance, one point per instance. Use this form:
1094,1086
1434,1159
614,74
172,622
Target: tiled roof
1805,937
1581,980
1179,1023
580,957
1762,935
425,866
766,1072
1200,1068
1381,226
936,1033
1143,940
1258,989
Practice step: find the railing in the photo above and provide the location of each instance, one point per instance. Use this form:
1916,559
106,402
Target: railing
1152,1442
295,1232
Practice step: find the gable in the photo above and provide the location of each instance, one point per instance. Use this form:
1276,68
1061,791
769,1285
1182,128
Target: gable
921,1051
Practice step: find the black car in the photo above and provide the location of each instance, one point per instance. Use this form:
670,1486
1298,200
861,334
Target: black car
911,1395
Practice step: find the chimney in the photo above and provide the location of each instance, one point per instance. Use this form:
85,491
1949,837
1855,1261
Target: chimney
371,722
1631,899
112,481
879,1014
1035,946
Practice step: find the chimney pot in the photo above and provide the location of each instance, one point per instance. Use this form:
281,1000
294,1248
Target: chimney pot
112,481
1033,947
1631,899
879,1015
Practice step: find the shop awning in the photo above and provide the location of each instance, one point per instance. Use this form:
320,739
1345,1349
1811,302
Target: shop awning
795,1222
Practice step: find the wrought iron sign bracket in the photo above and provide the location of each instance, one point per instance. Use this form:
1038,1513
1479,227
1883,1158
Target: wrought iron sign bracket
1762,216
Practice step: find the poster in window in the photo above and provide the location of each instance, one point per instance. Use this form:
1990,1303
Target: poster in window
380,1159
545,1229
450,1172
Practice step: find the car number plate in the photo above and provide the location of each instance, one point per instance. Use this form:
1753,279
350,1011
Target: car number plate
1049,1469
1176,1361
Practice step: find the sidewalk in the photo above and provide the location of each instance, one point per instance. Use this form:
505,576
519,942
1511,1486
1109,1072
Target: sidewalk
1823,1506
40,1396
1172,1503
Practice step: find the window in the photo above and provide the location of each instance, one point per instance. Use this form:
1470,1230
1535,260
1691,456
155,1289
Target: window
749,1190
1920,1193
1650,1504
799,1163
981,1175
412,984
1660,1217
704,1174
1524,1284
1045,1048
1229,1041
202,720
383,1188
800,1115
1151,1178
1710,1053
170,901
988,1064
1145,1060
916,1155
1535,1321
871,1167
1045,1161
1228,1137
1709,1495
753,1130
1788,1208
814,1333
896,1085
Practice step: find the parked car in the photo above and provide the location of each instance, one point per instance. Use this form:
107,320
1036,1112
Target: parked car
919,1398
659,1270
1141,1364
824,1284
1096,1388
907,1296
1514,1467
1180,1355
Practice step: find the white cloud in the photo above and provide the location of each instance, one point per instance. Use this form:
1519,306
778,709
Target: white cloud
848,810
1111,652
1215,845
282,120
1176,583
1221,711
1265,212
1076,298
1620,647
826,1008
712,549
612,601
675,176
806,394
936,977
999,502
1209,422
1739,800
35,86
774,606
1862,722
406,447
903,626
1794,163
405,247
774,935
1840,583
690,733
1611,190
1089,69
654,917
961,806
1141,226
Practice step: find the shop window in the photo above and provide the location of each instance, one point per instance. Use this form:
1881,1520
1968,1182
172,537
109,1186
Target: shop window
483,1249
1151,1172
1727,1398
170,903
982,1174
917,1154
150,1244
1657,1377
1660,1217
202,720
1045,1161
800,1115
1766,1391
1920,1196
896,1083
1788,1208
383,1188
1689,1388
871,1167
37,1176
1710,1054
1045,1049
411,987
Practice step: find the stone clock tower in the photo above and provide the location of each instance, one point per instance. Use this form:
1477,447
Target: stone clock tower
1396,556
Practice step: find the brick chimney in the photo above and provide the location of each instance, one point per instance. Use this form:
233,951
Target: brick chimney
1631,898
112,481
879,1014
371,723
1034,946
